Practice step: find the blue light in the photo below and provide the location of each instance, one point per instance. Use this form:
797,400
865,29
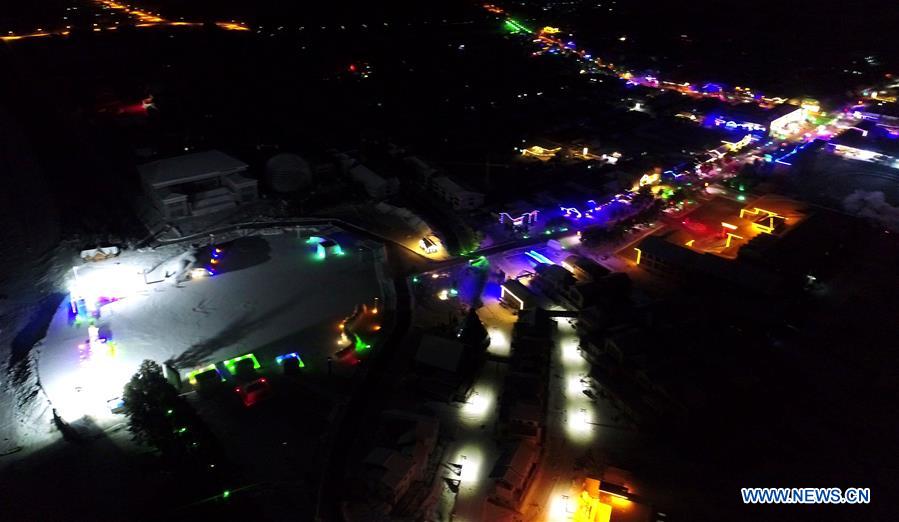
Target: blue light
792,153
721,122
571,212
280,359
540,258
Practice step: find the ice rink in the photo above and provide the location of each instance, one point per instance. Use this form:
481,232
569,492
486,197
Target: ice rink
273,294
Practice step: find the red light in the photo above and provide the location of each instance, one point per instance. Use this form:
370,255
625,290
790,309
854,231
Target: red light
263,380
352,67
237,389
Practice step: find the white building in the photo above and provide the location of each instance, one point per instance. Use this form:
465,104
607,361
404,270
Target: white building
374,185
513,473
454,194
421,170
390,473
197,184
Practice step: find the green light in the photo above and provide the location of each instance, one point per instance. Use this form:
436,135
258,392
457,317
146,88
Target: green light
479,262
182,430
514,26
741,197
742,188
231,364
169,412
226,493
415,279
547,232
360,345
192,375
453,292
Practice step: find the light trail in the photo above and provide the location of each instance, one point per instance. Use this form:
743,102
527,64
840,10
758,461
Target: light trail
742,94
142,19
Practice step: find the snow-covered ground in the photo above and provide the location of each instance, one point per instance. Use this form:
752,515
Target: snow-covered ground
282,300
475,446
577,426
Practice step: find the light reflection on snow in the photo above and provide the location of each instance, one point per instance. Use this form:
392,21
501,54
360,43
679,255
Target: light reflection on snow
499,342
476,409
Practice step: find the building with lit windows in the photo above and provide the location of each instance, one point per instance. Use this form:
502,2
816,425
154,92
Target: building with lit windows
779,120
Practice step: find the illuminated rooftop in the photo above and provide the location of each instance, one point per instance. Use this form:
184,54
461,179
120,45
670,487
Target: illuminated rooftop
722,226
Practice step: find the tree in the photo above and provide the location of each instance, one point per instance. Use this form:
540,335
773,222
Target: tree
158,416
473,331
148,397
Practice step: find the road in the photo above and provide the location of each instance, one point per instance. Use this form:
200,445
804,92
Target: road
350,422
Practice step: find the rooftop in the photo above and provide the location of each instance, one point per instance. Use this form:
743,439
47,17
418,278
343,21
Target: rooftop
439,352
189,167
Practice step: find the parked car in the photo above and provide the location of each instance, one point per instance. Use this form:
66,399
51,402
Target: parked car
254,392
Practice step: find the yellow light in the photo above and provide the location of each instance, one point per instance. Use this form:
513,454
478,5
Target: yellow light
730,237
756,211
690,243
639,255
541,153
728,225
649,179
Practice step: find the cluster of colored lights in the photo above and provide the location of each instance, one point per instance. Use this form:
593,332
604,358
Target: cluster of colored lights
95,345
528,218
592,208
231,365
782,159
555,45
142,19
215,257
